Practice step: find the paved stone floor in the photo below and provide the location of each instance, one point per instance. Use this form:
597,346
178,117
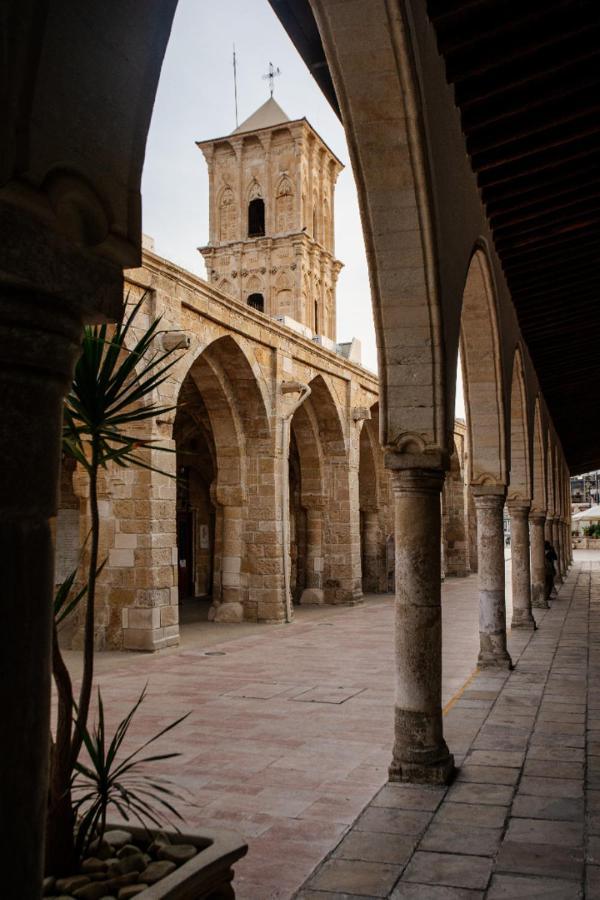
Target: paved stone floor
289,739
522,819
290,729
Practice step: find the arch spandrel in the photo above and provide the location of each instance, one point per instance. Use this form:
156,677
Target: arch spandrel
520,463
482,375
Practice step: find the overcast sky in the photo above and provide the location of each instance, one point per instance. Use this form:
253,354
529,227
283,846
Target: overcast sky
195,101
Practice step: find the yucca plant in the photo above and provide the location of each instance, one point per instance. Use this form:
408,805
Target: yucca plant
113,391
107,782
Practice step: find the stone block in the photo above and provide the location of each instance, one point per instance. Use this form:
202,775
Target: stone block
121,558
169,615
124,541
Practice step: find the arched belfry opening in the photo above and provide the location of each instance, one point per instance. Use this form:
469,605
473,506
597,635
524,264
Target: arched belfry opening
257,301
256,217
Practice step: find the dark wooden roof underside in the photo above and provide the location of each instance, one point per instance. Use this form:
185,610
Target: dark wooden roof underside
526,77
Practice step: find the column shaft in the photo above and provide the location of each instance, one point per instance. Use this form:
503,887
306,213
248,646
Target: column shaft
492,604
556,544
371,551
231,608
538,562
420,752
39,343
521,570
313,592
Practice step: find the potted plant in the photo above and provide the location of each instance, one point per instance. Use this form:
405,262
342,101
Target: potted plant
114,389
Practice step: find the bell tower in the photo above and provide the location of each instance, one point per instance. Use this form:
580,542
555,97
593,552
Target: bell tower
271,227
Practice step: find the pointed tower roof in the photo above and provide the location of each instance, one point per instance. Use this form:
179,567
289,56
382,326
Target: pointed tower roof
267,115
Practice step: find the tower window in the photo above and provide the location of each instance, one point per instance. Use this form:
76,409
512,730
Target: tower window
257,301
316,317
256,217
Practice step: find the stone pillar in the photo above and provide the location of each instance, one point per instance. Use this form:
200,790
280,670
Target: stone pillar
564,530
420,751
548,528
556,544
538,567
312,595
39,344
231,608
521,569
371,550
489,504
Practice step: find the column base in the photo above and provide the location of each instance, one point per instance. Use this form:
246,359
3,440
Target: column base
523,619
312,597
540,604
489,660
438,772
229,613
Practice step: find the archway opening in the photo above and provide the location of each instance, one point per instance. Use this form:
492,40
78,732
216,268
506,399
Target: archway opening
257,301
256,217
195,509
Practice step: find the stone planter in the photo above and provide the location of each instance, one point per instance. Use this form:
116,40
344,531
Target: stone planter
207,876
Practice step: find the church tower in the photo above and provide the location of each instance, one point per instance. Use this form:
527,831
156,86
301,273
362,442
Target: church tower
271,193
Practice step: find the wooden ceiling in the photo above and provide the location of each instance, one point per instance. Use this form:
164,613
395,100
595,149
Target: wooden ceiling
526,77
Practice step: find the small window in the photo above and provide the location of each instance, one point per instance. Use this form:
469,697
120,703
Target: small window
256,217
316,317
257,301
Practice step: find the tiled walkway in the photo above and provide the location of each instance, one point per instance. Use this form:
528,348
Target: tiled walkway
523,817
291,726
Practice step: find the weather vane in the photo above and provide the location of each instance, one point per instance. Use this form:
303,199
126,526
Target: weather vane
271,76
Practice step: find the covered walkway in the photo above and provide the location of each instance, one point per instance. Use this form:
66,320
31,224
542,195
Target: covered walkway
522,819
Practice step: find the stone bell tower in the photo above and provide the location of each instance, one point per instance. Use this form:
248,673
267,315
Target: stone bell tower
271,243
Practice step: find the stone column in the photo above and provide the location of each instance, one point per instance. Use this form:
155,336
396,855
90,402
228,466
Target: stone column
420,752
489,504
564,525
231,607
556,544
538,568
521,570
312,595
39,344
371,554
548,528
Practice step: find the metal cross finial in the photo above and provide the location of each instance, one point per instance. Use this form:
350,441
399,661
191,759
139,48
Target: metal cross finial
271,76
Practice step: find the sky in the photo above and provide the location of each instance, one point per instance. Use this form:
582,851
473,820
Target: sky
195,101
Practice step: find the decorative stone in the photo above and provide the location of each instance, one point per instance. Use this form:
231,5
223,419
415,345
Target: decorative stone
101,889
48,886
117,838
128,850
157,870
69,885
93,864
135,862
132,891
177,853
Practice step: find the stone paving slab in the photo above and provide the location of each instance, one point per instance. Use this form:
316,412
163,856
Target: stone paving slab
513,825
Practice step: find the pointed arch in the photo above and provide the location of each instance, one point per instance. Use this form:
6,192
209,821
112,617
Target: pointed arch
284,205
368,469
539,503
329,417
305,429
550,495
520,464
228,215
482,374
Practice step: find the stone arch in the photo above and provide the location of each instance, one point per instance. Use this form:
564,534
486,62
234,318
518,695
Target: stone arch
226,287
228,215
482,375
520,464
284,205
372,531
539,463
550,496
328,416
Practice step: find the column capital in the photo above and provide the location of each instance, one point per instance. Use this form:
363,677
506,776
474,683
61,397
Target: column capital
488,496
518,507
417,481
537,517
